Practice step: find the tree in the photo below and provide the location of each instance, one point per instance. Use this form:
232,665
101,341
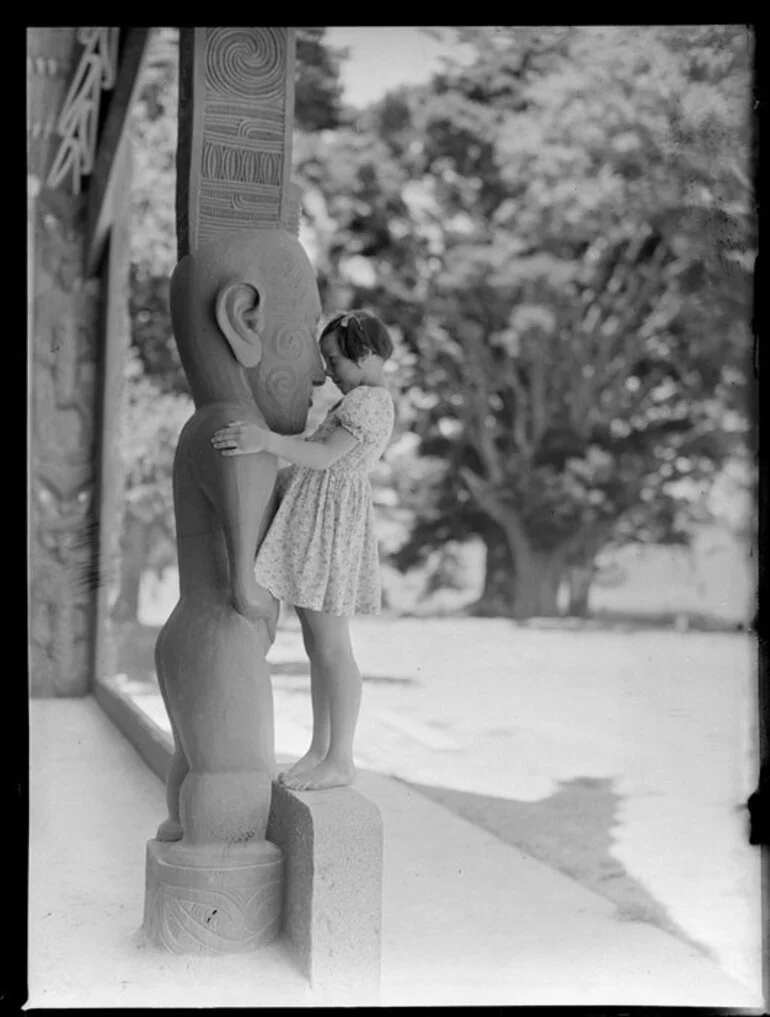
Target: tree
317,89
562,233
151,421
657,324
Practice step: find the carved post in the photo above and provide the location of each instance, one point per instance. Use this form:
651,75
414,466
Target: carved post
68,69
63,391
244,308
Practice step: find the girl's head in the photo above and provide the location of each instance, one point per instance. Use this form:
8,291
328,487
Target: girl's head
354,346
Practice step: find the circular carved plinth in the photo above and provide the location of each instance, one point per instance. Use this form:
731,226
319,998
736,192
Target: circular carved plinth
210,909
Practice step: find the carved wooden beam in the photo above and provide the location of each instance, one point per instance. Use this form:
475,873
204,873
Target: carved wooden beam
102,180
78,120
236,113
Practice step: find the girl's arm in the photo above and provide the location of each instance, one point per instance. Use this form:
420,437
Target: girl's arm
241,438
318,455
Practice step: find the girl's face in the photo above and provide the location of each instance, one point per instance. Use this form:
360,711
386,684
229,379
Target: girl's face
345,373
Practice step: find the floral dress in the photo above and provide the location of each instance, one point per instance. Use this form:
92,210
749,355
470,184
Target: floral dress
320,551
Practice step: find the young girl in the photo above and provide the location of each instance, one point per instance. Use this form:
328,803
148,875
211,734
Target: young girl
320,552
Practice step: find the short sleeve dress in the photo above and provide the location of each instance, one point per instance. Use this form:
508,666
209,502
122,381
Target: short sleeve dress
320,551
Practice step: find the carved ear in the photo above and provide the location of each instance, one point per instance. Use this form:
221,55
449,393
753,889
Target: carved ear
240,319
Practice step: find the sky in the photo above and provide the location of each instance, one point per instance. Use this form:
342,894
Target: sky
382,58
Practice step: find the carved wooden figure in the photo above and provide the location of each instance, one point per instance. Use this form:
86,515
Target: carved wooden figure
244,307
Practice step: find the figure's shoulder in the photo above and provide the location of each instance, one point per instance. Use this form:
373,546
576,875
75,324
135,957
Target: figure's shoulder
213,415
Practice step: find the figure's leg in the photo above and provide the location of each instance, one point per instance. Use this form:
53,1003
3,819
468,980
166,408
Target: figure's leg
224,797
319,696
171,827
342,682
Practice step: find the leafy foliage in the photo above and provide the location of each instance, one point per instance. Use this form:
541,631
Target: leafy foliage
317,89
562,232
154,420
151,421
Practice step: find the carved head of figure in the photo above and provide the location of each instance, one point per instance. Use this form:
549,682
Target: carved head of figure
245,311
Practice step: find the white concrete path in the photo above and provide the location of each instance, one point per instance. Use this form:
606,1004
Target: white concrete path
467,918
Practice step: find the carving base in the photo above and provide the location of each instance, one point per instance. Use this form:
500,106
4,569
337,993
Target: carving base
210,909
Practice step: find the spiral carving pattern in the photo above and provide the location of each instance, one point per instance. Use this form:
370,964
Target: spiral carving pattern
288,345
235,131
280,383
247,63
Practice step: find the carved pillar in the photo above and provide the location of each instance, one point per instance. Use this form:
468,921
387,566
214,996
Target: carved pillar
244,308
63,397
72,335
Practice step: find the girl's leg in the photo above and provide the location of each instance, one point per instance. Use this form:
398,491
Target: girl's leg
333,656
319,745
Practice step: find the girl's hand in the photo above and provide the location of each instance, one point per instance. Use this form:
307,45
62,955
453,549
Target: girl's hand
241,438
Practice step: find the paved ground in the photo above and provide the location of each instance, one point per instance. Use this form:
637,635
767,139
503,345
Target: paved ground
467,918
619,758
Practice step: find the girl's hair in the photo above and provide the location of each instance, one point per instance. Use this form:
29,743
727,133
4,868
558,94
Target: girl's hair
360,333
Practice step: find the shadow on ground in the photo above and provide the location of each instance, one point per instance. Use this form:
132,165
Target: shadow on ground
301,669
571,831
681,621
612,621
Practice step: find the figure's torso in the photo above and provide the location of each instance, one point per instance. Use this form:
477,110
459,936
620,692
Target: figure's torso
200,533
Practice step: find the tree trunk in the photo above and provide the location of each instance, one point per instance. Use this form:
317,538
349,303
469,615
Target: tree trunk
539,576
134,546
579,581
499,578
581,573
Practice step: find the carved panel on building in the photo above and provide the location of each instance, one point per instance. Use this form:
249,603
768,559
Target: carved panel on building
234,163
67,69
63,464
49,68
62,376
79,117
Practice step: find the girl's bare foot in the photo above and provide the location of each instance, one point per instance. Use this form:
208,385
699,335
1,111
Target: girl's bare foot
329,773
308,762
